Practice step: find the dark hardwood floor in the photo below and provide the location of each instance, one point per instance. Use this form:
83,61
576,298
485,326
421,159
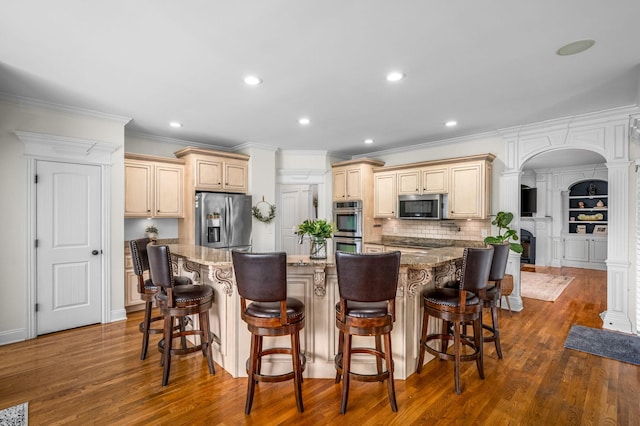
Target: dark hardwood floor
93,375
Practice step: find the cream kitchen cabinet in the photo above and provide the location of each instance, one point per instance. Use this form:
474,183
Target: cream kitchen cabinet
385,195
470,190
132,301
429,180
153,186
373,248
209,170
347,184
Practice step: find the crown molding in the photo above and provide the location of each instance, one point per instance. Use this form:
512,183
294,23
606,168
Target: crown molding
21,100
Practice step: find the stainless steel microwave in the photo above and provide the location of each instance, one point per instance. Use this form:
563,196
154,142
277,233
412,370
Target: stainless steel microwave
426,206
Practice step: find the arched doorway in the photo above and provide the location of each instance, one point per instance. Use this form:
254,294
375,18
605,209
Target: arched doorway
605,134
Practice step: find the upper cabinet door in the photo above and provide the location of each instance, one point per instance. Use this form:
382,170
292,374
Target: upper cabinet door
385,195
409,182
467,197
169,190
339,185
208,174
435,180
138,189
354,184
235,177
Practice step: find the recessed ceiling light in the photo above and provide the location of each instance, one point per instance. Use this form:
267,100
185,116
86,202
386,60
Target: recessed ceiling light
575,47
175,124
304,121
395,76
368,141
451,123
252,80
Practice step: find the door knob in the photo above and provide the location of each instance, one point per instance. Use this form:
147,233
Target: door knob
95,252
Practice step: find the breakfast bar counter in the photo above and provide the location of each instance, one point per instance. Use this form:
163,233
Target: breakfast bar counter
315,283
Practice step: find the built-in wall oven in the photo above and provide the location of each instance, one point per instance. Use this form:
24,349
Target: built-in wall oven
347,217
348,244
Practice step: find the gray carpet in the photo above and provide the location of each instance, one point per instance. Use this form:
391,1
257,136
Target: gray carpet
605,343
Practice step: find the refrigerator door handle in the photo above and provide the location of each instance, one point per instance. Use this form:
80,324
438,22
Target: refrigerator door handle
228,220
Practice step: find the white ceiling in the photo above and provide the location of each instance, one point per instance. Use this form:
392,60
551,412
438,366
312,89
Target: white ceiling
488,65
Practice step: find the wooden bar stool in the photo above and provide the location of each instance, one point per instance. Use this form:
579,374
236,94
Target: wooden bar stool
491,298
147,290
367,285
179,302
458,307
262,279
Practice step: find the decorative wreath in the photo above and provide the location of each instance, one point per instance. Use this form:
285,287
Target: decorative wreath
257,212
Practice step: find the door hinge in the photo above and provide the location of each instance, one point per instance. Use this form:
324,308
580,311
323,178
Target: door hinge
37,307
35,243
35,179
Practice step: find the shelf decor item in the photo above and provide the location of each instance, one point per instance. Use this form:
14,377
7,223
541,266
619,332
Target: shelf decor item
505,233
319,230
151,231
600,229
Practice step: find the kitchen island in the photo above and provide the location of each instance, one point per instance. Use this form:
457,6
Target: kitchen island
315,283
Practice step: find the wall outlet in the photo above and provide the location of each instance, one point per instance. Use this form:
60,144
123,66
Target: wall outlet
484,233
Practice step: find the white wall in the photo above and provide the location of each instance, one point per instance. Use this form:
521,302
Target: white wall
36,118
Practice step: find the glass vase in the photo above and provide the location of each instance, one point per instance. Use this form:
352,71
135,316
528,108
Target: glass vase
318,248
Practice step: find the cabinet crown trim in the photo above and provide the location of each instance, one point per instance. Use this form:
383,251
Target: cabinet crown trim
480,157
203,151
369,161
154,158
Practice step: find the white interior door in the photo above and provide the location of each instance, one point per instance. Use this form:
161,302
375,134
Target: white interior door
295,203
69,249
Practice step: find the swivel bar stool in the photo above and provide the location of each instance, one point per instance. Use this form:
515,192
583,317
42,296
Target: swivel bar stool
491,297
179,302
262,279
147,290
458,307
367,285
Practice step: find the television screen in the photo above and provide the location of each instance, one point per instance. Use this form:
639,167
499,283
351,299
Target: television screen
528,201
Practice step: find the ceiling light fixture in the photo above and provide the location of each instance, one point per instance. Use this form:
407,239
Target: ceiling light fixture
575,47
304,121
395,76
451,123
368,141
252,80
175,124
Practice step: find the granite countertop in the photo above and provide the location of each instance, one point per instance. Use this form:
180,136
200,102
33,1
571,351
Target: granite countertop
222,258
430,243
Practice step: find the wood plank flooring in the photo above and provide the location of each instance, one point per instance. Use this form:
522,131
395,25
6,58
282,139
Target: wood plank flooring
93,375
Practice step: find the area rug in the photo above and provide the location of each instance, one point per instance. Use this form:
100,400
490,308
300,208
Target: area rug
609,344
539,286
18,415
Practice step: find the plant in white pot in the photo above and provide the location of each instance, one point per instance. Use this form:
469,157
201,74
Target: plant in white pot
505,233
151,231
319,230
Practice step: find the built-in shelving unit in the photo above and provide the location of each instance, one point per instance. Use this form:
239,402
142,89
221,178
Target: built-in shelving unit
588,207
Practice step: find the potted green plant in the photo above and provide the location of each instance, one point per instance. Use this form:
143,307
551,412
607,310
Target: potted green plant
151,231
505,233
319,230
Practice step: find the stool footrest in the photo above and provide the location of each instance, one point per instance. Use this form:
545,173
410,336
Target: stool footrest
272,378
189,349
361,377
448,356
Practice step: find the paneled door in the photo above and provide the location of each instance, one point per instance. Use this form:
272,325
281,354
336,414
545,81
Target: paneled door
69,248
295,203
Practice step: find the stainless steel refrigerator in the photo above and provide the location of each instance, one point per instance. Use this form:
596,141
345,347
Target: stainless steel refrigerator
223,221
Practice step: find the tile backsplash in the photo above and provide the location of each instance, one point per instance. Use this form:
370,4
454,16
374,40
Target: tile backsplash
470,230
